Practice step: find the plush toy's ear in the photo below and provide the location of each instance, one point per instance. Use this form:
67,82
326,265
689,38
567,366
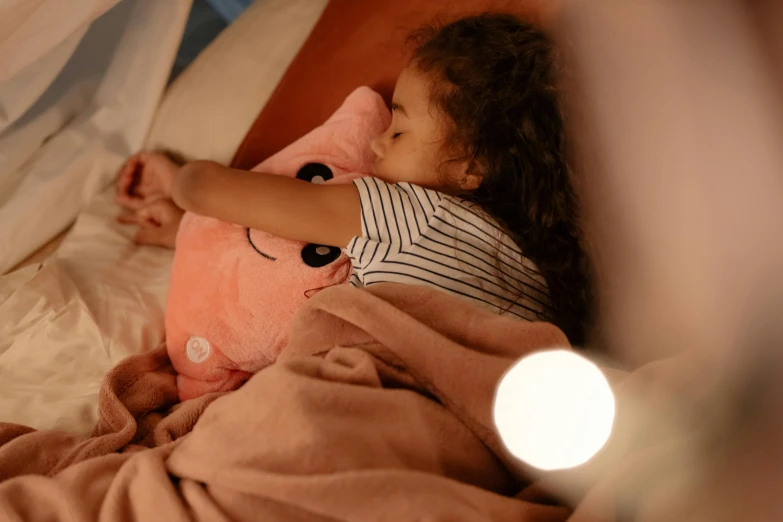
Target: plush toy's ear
317,256
315,173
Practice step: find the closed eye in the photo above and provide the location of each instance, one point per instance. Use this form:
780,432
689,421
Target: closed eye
266,256
396,135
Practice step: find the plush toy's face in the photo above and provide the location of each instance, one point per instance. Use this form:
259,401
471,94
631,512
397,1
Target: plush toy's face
313,256
273,249
256,282
234,290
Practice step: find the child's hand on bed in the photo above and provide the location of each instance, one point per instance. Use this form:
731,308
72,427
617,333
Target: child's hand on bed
158,223
143,178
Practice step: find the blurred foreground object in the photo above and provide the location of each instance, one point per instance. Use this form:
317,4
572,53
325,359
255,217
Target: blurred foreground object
678,114
554,409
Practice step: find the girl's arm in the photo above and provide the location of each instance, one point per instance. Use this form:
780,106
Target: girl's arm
283,206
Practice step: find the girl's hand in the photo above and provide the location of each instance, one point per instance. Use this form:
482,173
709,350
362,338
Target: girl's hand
143,178
158,221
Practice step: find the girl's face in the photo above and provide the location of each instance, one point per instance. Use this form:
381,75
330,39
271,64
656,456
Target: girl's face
411,149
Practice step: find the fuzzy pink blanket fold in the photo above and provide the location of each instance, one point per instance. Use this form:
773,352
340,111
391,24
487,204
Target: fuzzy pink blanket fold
379,409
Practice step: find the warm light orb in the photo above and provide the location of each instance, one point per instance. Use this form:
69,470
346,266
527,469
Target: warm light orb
554,409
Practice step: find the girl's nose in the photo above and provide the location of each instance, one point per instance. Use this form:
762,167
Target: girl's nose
378,145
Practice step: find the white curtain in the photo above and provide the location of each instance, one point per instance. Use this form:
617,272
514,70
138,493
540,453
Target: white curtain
79,84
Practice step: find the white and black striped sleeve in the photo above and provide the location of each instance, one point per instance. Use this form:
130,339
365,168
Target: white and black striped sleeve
395,214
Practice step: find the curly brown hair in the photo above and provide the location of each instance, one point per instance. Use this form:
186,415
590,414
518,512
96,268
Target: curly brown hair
495,77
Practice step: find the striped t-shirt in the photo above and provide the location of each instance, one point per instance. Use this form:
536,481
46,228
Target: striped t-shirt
419,236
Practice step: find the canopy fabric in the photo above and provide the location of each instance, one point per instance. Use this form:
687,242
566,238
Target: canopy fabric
79,86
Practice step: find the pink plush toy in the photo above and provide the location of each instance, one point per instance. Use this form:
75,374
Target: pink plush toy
234,290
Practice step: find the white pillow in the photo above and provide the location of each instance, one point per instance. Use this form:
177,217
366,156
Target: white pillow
210,107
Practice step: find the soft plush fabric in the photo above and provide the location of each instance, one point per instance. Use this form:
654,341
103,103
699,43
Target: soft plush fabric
355,42
378,409
234,290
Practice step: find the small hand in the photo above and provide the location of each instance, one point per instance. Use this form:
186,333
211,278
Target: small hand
143,178
158,222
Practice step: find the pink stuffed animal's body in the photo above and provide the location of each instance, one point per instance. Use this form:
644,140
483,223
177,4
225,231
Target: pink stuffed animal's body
234,290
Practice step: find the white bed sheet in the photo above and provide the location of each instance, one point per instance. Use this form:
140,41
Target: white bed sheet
65,322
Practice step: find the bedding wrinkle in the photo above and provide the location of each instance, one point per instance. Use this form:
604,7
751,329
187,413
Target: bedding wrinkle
66,322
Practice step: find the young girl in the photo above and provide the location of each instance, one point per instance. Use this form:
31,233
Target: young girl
470,192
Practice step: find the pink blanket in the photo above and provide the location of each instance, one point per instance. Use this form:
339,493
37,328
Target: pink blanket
377,410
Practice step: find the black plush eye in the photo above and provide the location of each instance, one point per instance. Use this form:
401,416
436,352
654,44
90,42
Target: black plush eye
317,256
315,173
